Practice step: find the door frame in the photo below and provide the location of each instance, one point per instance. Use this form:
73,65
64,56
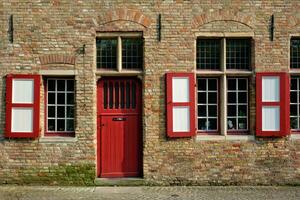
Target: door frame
98,118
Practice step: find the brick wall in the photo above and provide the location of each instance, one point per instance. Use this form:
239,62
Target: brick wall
47,35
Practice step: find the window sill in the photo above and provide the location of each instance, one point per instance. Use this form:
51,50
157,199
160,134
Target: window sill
225,138
58,139
122,72
295,136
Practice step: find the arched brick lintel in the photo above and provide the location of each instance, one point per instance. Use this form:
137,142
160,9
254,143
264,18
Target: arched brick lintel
223,15
124,15
57,59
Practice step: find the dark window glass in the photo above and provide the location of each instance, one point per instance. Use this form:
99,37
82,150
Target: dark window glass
295,103
106,53
208,53
295,53
238,53
132,53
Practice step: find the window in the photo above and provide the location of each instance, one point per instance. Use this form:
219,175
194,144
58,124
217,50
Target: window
59,106
122,52
237,104
222,103
295,53
295,104
208,104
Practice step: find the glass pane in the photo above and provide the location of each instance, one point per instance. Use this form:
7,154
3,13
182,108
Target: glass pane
181,119
238,53
22,91
202,111
242,84
60,111
231,84
70,85
180,89
212,97
132,53
208,53
293,97
61,98
61,85
231,110
270,89
270,118
242,123
242,97
22,120
201,84
70,125
293,110
202,97
51,98
242,112
202,124
51,85
212,84
231,123
212,111
231,97
60,125
294,122
51,124
70,98
293,84
51,111
212,124
70,111
295,53
106,53
128,100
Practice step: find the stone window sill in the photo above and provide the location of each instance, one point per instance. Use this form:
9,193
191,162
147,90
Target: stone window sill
225,138
295,136
58,139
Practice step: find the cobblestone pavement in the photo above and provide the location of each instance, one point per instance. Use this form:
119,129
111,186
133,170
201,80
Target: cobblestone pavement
151,193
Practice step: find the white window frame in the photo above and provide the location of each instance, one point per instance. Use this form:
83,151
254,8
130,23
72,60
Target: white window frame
223,74
56,105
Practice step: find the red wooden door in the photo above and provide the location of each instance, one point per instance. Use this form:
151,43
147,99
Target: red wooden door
119,127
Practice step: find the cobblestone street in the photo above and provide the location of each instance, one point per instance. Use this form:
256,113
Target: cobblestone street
153,193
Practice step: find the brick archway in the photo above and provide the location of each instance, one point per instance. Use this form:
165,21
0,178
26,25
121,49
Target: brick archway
124,14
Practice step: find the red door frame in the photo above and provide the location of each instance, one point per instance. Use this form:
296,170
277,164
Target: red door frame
102,112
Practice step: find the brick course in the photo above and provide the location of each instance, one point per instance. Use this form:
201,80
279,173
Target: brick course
47,35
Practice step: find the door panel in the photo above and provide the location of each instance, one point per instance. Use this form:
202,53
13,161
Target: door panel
119,136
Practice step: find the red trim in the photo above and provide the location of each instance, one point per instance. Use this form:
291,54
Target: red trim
170,105
284,104
35,105
47,133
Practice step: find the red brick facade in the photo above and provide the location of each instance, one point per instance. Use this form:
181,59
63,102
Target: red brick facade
48,40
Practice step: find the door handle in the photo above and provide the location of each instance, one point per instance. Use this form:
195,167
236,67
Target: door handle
119,119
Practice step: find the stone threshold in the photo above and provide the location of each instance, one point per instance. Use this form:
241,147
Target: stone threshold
135,181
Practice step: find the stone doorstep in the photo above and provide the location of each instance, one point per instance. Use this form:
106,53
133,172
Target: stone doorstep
119,181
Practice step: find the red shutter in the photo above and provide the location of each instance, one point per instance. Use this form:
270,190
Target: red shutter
282,103
22,116
180,111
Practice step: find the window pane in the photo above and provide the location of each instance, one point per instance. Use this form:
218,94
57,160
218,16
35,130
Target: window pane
242,97
293,97
231,97
238,53
212,84
70,125
51,98
202,111
293,84
208,53
242,110
212,124
61,85
70,112
51,85
70,85
201,84
295,53
242,84
60,125
242,123
294,123
60,98
231,123
202,97
70,98
231,110
51,111
132,53
202,124
293,110
231,84
106,53
212,111
51,124
61,111
212,97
